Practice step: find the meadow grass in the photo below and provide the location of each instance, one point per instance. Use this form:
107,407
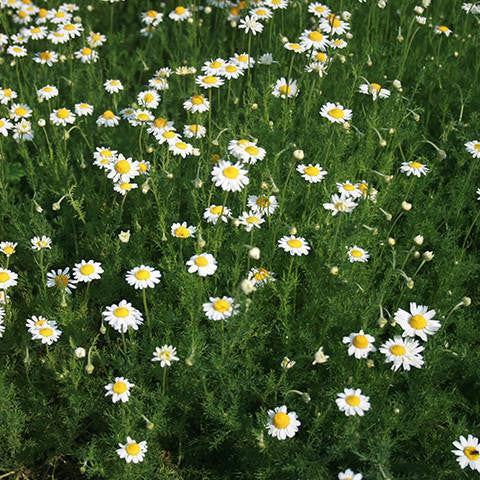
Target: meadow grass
205,416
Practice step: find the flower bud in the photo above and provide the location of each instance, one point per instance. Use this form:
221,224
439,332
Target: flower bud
406,206
247,286
292,231
80,352
124,236
428,256
89,368
418,240
391,241
254,253
467,301
299,154
334,271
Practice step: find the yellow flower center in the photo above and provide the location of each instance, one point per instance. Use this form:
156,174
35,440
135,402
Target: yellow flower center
216,64
336,23
180,10
152,13
133,449
108,115
321,57
356,253
216,210
8,250
471,453
352,400
61,281
281,420
122,166
415,165
336,113
294,243
70,27
221,306
168,134
148,97
252,150
46,332
63,113
252,219
201,261
142,275
4,277
20,111
120,387
86,51
349,187
143,117
315,36
231,172
181,145
262,274
197,100
443,28
418,322
285,89
210,80
121,312
375,86
311,171
262,202
398,350
360,341
87,269
182,232
160,122
231,68
477,147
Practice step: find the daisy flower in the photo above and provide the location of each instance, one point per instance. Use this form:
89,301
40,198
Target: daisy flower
230,177
148,99
47,92
124,187
62,116
5,126
61,280
7,95
402,352
140,117
442,30
314,39
143,277
250,220
467,451
197,104
34,323
8,248
180,14
282,424
165,355
215,212
86,55
349,189
231,71
261,13
251,25
349,475
352,402
181,148
417,322
47,334
357,254
260,276
294,245
209,81
243,60
87,271
95,39
414,168
19,111
107,119
220,308
276,4
119,390
294,47
251,153
132,452
374,89
7,278
194,131
284,89
203,264
312,173
214,67
17,51
335,113
359,344
113,86
83,109
104,156
152,17
473,148
122,316
340,204
40,243
122,169
319,10
183,230
334,25
265,204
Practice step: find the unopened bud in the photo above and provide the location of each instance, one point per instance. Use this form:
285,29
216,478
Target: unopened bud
254,253
299,154
406,206
418,240
80,352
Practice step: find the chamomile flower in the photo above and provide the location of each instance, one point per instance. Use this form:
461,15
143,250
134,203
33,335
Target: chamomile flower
352,402
215,212
374,89
83,109
140,117
197,104
260,276
7,95
294,47
229,177
220,308
5,126
113,86
319,10
34,323
334,25
314,39
38,32
335,113
265,204
467,451
165,355
214,67
61,280
23,130
62,117
119,390
285,89
340,204
124,187
203,264
359,344
251,153
294,245
357,254
180,14
86,55
282,424
122,316
132,452
402,352
251,25
167,136
122,169
40,243
473,148
104,156
243,60
417,322
19,111
47,92
261,13
71,29
349,475
312,173
8,248
108,119
17,51
143,277
148,99
57,37
180,148
159,125
209,81
349,189
442,30
86,271
194,131
250,220
7,278
47,334
96,39
414,168
276,4
152,17
183,230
